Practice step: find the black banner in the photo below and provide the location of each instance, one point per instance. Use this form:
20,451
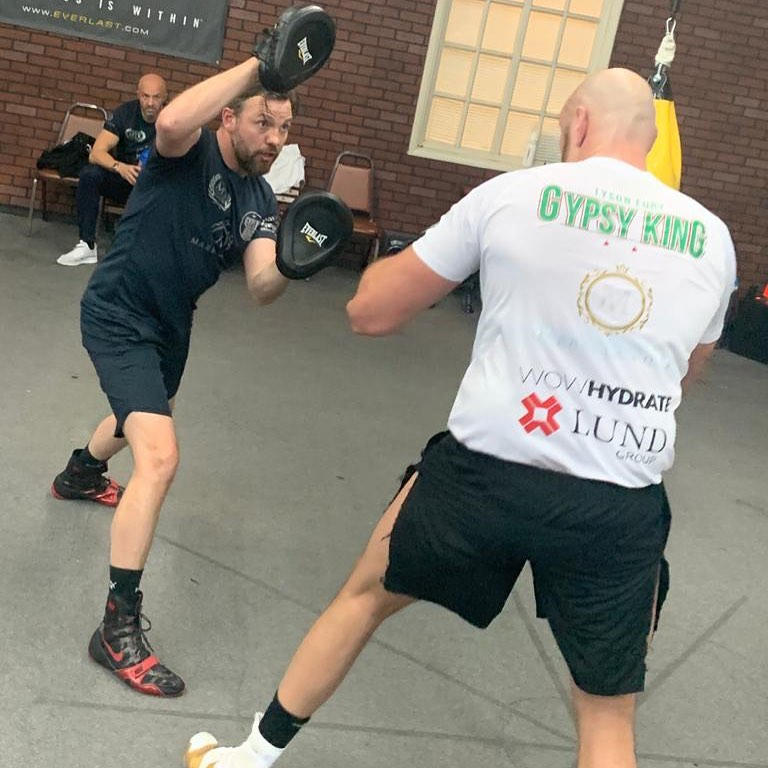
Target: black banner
184,28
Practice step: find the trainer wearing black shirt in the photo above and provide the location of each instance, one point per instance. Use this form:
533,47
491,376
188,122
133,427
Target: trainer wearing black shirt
200,205
205,229
115,162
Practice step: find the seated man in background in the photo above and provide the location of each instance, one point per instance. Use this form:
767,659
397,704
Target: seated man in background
114,163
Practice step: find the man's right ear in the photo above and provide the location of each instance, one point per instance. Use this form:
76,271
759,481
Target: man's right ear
228,117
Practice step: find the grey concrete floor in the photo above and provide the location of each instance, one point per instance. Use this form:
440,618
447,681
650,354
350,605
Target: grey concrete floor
293,433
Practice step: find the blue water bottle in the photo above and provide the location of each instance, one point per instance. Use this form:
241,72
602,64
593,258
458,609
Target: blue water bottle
143,157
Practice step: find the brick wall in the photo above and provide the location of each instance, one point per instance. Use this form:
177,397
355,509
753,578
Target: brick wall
365,100
720,86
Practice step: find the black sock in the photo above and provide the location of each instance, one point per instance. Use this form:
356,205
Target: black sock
87,459
278,726
124,583
90,243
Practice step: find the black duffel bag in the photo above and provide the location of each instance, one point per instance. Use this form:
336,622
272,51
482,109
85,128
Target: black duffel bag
70,157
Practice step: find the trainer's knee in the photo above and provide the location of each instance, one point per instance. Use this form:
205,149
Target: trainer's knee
157,464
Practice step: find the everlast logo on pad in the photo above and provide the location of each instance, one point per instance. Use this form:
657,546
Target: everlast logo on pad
312,235
304,53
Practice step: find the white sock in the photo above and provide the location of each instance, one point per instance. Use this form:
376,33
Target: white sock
265,752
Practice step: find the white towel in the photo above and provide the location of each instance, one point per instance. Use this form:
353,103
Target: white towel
287,171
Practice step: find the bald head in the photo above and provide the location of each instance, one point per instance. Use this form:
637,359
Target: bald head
610,114
152,94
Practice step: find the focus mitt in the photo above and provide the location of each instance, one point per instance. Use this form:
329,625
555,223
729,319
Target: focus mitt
295,48
314,229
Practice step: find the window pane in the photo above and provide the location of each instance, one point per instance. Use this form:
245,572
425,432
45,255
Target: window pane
480,127
444,120
491,79
563,85
541,36
531,86
500,74
577,44
501,29
587,7
517,133
454,71
464,22
548,149
558,5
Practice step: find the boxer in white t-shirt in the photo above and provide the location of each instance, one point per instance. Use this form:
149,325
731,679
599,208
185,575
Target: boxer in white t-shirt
603,293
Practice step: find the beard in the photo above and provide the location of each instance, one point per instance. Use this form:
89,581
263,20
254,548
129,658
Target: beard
248,162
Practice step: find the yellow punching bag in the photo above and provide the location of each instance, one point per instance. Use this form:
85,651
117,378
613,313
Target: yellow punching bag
665,160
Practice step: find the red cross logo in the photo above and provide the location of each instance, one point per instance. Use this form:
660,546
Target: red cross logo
540,415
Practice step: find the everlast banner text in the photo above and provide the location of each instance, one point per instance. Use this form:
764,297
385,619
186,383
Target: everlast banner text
184,28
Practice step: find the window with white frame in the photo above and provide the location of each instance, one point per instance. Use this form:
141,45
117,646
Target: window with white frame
498,72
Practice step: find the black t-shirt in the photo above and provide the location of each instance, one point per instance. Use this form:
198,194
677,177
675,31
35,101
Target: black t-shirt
187,219
134,133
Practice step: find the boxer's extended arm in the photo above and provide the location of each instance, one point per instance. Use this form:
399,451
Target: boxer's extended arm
696,363
393,291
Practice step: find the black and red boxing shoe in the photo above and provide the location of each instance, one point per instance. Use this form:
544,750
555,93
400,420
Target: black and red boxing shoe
120,645
79,482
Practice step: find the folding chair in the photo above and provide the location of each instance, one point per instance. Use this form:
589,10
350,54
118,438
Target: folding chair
110,212
352,179
88,118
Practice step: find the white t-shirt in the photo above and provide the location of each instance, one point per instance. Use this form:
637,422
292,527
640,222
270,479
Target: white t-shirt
598,281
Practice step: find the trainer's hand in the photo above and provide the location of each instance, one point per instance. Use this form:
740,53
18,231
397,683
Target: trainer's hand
128,172
295,48
314,229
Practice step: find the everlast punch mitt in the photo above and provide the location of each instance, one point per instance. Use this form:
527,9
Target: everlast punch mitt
295,48
314,229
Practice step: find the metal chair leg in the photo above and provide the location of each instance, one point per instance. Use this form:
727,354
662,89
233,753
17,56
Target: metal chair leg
99,217
32,197
43,200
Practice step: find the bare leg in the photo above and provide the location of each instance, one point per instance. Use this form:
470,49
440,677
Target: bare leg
103,444
606,726
152,438
336,639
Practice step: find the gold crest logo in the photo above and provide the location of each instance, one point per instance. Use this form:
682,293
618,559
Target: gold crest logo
614,301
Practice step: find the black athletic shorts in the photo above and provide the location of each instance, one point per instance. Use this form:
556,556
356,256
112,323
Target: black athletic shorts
136,376
472,521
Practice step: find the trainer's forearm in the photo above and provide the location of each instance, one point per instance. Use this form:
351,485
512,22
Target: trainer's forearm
203,102
267,284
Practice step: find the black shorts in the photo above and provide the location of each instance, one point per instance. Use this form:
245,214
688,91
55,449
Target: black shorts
136,376
472,521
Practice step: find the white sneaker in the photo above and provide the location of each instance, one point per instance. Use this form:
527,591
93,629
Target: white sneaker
80,254
203,751
199,745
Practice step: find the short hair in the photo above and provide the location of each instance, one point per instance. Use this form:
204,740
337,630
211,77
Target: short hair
236,105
